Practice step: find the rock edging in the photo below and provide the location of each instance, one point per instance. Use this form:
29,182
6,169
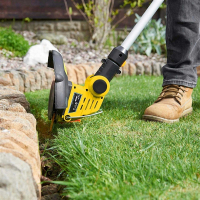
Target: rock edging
29,80
19,150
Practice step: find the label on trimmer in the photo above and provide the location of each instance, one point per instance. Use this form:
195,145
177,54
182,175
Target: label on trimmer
75,102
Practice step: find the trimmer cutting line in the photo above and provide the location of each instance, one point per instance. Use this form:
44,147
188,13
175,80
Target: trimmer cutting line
71,102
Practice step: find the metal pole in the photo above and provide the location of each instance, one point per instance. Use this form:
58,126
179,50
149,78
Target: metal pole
138,28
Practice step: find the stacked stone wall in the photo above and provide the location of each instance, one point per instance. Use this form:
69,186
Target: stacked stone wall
57,31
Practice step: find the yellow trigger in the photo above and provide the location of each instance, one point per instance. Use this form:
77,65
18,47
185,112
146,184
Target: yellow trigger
123,64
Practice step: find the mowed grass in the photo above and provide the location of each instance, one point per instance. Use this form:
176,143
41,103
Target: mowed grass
116,155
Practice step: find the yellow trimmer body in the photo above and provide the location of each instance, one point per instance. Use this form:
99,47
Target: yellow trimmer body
83,100
71,102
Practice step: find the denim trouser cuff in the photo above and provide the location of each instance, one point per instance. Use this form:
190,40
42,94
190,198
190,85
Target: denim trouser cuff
179,82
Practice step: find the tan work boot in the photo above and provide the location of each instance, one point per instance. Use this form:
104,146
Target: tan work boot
174,102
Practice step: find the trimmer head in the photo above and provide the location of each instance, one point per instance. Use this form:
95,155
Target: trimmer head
71,102
60,88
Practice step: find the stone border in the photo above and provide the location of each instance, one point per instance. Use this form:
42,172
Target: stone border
29,80
26,80
20,167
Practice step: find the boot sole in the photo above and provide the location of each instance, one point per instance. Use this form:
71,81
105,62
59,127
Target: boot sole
160,119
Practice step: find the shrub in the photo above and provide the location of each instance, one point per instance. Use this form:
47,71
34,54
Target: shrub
100,14
13,42
152,39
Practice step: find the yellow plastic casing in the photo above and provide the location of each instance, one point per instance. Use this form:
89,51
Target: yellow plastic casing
123,64
89,101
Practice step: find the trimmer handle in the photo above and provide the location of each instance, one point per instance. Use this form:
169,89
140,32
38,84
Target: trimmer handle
109,68
118,55
111,65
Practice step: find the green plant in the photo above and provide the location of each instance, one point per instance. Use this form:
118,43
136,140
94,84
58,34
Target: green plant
152,39
13,42
164,4
27,19
116,155
111,40
100,16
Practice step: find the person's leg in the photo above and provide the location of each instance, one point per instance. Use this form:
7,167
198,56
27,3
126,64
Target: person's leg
183,42
183,56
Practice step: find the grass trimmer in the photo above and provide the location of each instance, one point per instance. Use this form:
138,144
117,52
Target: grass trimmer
71,102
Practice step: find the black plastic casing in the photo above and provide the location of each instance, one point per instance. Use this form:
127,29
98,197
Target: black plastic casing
62,85
111,65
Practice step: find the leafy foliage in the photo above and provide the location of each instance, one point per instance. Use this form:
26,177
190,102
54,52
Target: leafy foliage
152,39
100,16
13,42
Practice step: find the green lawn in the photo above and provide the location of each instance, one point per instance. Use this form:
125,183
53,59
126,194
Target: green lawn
116,155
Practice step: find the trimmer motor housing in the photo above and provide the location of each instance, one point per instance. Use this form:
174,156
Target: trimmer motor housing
69,101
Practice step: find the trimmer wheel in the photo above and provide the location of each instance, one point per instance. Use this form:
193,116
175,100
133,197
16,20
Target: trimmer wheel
51,106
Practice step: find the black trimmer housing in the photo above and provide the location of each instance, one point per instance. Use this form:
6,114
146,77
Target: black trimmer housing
111,65
61,87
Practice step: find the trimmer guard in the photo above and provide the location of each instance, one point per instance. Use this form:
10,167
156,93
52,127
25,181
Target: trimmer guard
69,101
61,87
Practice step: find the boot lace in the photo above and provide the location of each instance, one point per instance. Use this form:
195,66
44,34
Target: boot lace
172,91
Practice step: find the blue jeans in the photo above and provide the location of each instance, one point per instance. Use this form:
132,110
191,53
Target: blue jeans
183,43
